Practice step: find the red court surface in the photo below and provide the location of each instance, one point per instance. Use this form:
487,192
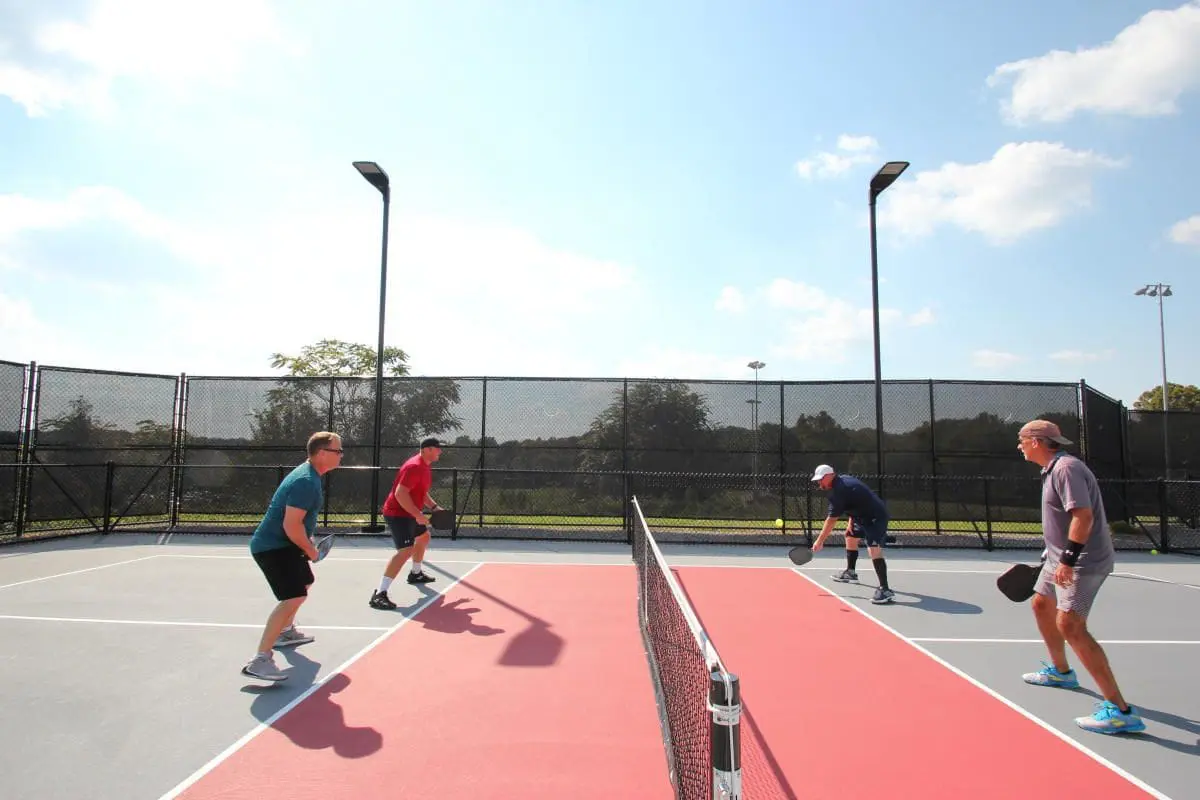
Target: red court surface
835,706
523,681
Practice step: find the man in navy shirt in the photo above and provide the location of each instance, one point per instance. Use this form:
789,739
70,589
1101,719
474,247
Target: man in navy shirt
868,520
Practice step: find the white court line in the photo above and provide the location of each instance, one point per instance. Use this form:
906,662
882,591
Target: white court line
1039,641
1155,580
165,622
78,571
1050,728
484,558
242,742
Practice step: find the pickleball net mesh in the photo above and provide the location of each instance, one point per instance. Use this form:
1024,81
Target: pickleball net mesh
698,699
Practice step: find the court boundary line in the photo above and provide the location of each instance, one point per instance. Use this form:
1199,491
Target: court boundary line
993,693
246,738
960,640
180,623
81,571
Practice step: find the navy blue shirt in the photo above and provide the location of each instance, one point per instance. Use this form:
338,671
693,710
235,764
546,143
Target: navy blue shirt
850,496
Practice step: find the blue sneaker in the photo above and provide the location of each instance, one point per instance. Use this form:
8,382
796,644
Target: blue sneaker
1108,719
1050,676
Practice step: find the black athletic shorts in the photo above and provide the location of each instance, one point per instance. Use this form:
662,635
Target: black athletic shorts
287,571
873,530
404,530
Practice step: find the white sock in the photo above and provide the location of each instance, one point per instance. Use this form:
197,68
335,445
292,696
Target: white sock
384,584
416,568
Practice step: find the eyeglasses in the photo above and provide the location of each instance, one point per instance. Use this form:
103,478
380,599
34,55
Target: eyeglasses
331,450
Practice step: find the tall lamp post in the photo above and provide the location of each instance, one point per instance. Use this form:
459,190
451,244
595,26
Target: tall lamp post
755,365
379,179
884,178
1160,291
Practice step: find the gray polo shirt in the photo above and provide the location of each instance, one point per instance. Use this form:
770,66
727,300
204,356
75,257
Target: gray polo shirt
1067,483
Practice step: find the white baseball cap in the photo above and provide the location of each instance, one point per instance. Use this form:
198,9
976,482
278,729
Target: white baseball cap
822,471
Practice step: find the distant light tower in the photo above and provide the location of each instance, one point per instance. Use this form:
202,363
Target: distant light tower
1160,291
755,365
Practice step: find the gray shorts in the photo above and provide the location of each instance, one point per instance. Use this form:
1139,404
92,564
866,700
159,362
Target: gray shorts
1079,596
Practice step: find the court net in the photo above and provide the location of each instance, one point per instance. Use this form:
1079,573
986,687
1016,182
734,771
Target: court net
699,700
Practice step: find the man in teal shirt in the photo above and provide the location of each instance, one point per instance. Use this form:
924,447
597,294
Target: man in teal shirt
283,549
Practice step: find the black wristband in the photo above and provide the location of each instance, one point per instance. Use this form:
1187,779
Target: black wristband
1071,552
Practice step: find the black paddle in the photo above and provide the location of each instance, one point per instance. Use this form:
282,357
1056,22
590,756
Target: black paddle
442,519
800,554
1018,581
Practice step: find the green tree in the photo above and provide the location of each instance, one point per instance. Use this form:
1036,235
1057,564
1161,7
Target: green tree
668,430
1180,397
327,387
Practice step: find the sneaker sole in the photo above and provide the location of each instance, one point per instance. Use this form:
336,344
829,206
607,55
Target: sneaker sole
271,678
1113,731
1054,685
885,601
295,643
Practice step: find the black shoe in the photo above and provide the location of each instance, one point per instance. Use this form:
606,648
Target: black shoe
414,577
381,601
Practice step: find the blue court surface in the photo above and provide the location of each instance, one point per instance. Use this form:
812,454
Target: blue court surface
122,655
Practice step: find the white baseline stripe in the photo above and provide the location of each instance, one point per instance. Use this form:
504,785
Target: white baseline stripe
1039,641
1132,779
165,622
242,742
78,571
487,559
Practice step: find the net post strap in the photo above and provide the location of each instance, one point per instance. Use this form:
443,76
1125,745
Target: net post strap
725,707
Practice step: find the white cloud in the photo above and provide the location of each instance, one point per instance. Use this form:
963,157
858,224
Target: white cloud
51,59
1142,72
825,327
994,359
1081,357
852,150
1186,231
922,317
459,293
1023,187
731,300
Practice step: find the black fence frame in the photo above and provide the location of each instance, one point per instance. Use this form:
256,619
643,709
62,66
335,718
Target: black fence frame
148,492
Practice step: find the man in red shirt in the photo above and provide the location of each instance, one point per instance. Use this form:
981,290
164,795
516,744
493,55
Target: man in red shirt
403,514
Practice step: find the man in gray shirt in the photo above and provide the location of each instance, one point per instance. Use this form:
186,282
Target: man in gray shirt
1079,558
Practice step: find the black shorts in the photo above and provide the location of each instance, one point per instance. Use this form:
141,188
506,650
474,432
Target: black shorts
287,571
873,530
404,530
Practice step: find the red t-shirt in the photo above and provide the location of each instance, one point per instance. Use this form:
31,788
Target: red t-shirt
416,476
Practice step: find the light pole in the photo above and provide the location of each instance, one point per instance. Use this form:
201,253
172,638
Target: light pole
379,179
884,178
755,365
1160,291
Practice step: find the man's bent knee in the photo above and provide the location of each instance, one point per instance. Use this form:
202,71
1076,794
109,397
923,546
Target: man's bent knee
1071,625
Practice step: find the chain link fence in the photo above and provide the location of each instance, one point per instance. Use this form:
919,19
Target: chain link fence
91,450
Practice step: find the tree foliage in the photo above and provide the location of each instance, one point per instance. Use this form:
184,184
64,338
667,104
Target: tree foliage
327,389
1180,397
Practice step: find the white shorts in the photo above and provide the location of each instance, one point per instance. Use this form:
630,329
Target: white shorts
1076,598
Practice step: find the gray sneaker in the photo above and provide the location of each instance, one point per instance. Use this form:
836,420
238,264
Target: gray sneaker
846,576
883,596
263,667
292,637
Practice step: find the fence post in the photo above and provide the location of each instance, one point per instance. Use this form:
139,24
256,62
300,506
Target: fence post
783,466
987,510
1164,534
109,473
480,476
454,501
937,504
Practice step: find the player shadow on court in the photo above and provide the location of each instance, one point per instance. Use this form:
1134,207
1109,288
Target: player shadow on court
453,617
535,646
1184,724
317,723
923,602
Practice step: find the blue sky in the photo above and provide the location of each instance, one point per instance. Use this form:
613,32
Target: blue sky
616,189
